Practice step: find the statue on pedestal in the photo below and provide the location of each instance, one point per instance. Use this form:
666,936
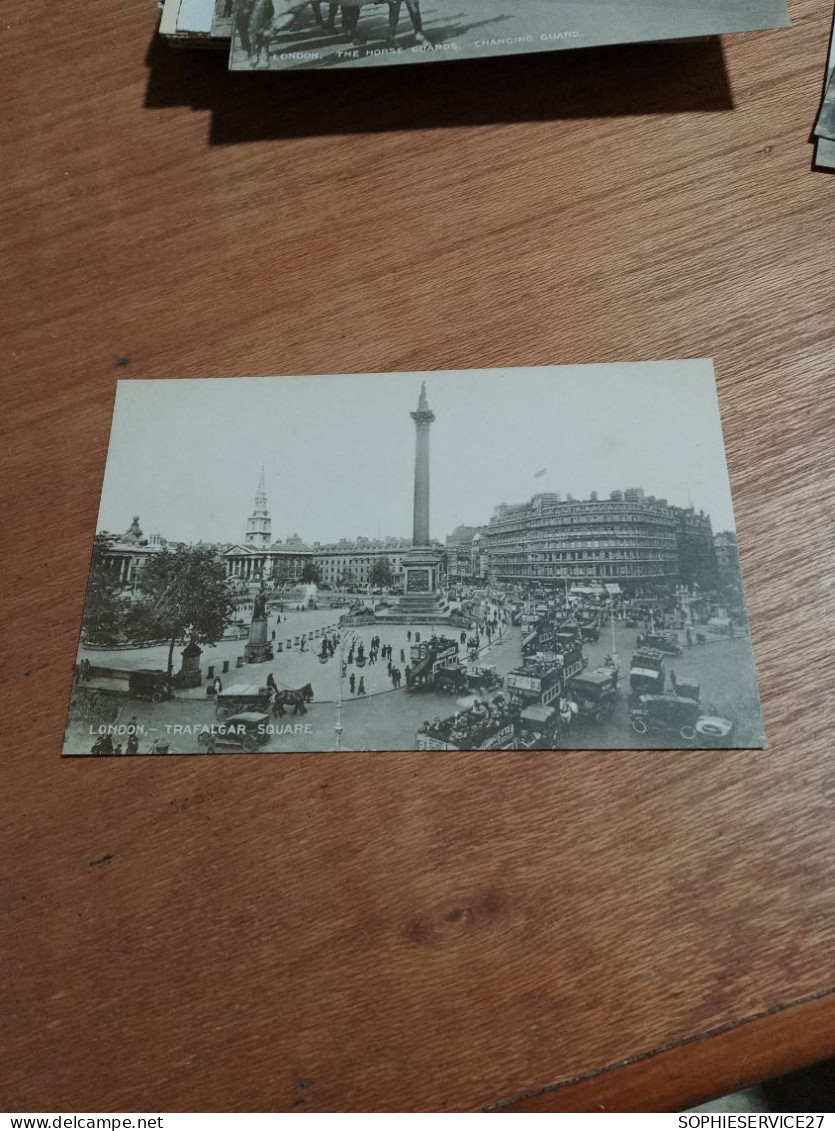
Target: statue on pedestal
258,649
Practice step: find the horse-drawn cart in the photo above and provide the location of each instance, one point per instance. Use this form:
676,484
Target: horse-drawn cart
241,697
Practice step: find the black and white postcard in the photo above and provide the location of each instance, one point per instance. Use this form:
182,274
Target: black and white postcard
517,559
300,34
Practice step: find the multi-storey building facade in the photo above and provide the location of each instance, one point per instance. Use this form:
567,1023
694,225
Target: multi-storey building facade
727,553
347,564
279,563
696,549
128,553
631,540
458,552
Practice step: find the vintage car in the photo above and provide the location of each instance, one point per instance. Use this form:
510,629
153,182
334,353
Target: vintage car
241,697
594,693
685,687
646,673
483,677
666,642
149,684
453,680
245,731
538,728
665,712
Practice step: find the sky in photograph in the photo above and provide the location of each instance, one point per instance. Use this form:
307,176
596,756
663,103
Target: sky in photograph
338,452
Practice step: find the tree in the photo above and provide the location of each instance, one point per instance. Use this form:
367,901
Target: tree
184,598
311,574
381,573
281,574
104,611
346,580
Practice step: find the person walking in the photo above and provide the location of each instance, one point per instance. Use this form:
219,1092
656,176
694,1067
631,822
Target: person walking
402,656
352,682
361,688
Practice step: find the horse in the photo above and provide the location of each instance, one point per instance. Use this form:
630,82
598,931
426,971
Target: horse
290,698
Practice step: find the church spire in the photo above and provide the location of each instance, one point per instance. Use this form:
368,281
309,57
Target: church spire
259,523
261,493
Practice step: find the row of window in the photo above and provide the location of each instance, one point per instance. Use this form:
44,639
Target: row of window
551,518
586,556
521,573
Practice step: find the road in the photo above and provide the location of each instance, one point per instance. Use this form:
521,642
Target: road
386,719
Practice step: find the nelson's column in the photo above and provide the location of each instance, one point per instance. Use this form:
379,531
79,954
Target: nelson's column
423,564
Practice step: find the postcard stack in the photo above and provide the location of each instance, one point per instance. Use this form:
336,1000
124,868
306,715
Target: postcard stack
825,125
289,35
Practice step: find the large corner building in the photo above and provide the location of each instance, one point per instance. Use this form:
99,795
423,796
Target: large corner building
632,541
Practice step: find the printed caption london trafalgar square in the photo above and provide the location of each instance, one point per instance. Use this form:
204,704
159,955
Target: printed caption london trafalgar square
521,559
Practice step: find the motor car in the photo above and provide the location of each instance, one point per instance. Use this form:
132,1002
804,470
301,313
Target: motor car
646,673
665,642
149,684
483,677
594,692
245,731
665,712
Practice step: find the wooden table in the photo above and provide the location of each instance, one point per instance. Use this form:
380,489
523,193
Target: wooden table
405,932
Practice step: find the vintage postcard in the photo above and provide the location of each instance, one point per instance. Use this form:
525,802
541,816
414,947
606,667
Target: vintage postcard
825,126
300,34
222,19
196,23
514,559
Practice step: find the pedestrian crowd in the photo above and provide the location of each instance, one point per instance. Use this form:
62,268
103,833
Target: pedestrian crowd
377,651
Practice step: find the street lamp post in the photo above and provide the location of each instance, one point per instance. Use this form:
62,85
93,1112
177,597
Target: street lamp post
615,660
344,640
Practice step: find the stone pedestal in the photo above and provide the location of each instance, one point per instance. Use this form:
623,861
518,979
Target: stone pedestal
189,674
421,577
258,649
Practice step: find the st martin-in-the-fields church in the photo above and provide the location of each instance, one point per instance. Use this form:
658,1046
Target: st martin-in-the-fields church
259,558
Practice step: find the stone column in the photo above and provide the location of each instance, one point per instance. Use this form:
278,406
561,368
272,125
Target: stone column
423,418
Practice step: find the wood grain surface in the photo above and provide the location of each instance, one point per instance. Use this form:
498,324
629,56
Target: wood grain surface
288,933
